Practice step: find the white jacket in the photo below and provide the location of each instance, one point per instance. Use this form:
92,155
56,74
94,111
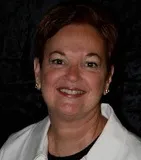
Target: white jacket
115,142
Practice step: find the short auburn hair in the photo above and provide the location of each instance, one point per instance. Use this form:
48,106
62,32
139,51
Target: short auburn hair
74,12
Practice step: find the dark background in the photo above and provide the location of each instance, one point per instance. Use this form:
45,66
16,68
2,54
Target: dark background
21,104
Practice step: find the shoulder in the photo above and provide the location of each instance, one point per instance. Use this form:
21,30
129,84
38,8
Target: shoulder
22,134
130,144
15,141
133,144
20,139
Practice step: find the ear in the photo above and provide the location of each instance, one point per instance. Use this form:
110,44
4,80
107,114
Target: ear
109,80
37,70
110,75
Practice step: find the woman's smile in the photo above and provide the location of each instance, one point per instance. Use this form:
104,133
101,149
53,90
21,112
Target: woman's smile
71,92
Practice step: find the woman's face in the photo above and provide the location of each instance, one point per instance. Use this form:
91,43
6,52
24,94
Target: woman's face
74,74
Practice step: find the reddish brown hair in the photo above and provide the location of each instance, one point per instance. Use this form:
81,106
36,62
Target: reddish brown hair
75,13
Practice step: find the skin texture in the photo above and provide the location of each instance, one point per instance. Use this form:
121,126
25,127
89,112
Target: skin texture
75,61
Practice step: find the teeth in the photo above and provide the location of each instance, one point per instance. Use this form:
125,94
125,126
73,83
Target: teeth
73,92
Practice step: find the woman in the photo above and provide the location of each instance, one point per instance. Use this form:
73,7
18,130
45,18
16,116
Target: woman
74,46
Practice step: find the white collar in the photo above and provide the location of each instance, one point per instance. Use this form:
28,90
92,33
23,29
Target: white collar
112,139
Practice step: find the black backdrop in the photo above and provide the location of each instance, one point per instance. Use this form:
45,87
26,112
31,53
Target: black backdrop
21,104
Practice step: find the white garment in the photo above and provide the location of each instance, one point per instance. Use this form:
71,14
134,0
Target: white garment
114,143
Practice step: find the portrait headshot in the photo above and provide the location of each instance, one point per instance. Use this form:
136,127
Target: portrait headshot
74,57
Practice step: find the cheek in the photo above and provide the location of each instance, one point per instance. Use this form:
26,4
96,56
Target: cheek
50,78
47,79
96,83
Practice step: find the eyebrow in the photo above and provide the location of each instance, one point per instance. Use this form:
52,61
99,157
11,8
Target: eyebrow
57,52
91,54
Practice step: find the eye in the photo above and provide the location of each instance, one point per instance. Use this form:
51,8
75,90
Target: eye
57,61
91,64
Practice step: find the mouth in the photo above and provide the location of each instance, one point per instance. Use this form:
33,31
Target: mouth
71,92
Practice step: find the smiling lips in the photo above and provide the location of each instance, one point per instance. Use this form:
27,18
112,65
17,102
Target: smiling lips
71,92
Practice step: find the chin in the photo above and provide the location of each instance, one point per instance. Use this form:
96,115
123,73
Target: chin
68,111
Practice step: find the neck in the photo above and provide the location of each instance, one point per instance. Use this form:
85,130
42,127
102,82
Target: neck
74,135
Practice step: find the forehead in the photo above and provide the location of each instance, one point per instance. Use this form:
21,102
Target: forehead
76,38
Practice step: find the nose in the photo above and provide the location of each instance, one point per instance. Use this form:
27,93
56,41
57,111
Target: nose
73,73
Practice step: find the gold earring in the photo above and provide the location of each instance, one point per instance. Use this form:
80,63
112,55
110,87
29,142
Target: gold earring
38,85
106,91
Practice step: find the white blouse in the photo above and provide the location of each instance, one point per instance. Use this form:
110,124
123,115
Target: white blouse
114,143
